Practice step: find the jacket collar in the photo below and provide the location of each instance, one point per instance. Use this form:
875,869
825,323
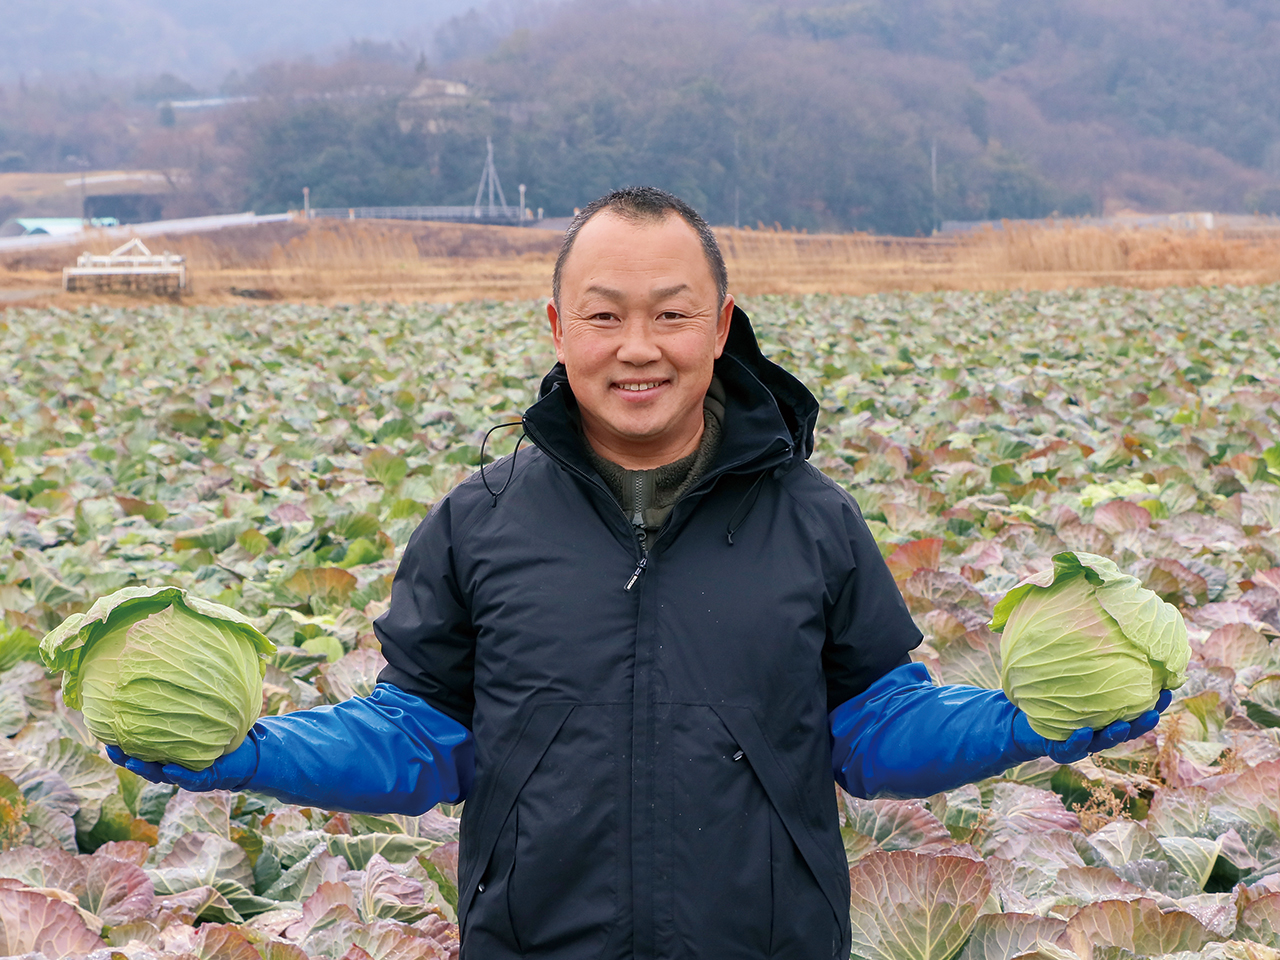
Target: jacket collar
769,414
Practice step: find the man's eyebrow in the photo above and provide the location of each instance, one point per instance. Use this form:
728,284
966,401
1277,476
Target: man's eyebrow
670,291
617,295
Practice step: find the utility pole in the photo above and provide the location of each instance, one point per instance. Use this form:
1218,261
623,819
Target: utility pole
522,204
737,184
83,164
933,176
306,203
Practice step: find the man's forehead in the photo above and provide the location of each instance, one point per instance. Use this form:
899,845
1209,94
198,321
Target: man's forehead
610,222
623,240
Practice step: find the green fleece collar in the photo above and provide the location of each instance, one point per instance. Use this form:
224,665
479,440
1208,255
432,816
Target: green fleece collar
647,496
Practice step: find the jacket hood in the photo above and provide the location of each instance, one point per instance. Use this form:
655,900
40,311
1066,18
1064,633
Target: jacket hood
766,401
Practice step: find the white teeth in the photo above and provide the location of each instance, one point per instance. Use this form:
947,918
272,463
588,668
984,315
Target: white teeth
638,386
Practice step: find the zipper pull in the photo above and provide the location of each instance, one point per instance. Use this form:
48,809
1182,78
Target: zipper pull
644,562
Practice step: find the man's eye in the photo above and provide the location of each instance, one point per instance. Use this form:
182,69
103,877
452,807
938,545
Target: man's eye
671,315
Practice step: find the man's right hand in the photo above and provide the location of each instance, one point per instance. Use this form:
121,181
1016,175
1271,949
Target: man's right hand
231,771
389,752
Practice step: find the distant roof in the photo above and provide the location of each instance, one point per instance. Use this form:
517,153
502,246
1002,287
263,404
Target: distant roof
1187,220
54,226
140,176
431,88
66,186
205,103
51,226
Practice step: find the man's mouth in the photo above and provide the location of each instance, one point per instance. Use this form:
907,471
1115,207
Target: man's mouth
637,387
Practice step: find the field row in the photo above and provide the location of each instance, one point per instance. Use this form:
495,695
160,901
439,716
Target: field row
276,458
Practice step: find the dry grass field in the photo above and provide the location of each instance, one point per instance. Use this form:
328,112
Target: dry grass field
341,261
1036,257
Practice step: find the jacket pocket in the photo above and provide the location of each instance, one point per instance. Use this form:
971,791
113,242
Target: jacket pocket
802,925
809,906
714,884
550,865
484,864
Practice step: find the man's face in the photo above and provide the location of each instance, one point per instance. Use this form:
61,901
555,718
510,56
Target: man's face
638,329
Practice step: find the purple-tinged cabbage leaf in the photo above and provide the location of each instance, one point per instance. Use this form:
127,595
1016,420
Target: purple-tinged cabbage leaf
912,906
1002,936
31,922
1139,926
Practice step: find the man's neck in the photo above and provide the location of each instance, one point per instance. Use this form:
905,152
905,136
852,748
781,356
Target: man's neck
633,457
647,495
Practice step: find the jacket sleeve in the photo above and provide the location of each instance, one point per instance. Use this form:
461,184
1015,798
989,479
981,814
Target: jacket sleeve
904,736
389,752
869,628
426,633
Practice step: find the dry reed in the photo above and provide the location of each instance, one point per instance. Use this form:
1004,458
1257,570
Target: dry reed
1028,256
388,260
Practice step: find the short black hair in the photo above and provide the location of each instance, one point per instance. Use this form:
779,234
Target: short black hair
645,204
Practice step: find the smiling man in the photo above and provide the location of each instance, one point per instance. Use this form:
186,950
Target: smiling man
644,660
638,320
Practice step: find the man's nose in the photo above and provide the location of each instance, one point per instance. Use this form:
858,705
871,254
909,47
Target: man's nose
638,344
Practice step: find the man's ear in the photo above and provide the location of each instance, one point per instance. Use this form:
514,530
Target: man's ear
723,319
557,329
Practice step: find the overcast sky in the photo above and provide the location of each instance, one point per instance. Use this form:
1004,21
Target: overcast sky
201,40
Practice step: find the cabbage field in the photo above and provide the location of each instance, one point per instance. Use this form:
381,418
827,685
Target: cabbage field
277,458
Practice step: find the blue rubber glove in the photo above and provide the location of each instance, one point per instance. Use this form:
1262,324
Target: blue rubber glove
390,752
230,772
904,736
1085,740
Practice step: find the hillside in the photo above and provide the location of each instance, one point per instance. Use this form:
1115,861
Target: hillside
826,114
833,116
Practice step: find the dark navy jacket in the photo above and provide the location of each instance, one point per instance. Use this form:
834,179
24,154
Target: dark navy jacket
653,767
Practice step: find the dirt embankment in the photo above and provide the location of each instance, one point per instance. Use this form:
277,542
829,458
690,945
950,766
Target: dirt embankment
326,261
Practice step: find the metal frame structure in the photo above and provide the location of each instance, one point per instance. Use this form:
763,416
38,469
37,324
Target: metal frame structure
490,176
478,212
130,267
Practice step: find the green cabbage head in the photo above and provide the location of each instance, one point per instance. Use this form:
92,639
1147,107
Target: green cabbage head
165,675
1085,645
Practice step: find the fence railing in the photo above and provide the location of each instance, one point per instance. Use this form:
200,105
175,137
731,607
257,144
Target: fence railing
467,214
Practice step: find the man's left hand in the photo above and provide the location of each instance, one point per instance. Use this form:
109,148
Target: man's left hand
229,772
1087,740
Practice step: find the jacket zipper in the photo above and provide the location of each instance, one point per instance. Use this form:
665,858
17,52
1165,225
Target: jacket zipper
644,557
644,562
637,523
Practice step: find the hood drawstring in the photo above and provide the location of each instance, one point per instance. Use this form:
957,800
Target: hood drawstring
512,473
753,494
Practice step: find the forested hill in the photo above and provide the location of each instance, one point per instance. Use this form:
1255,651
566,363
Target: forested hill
810,114
827,113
